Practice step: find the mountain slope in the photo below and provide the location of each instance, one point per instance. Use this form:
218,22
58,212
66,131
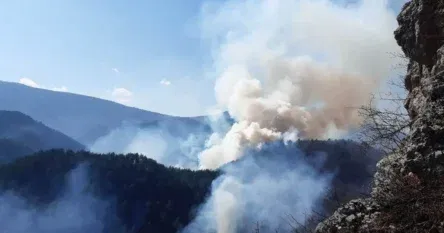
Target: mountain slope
21,135
83,118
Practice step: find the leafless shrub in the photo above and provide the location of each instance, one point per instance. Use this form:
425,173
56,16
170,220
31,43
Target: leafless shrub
386,126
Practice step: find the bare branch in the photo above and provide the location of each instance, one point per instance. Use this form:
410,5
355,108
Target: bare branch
386,128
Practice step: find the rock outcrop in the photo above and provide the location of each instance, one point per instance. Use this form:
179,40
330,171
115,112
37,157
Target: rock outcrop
408,184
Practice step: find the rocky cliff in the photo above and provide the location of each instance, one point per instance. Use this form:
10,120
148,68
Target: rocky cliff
408,192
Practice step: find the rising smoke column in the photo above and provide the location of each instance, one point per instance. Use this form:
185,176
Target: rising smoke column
266,187
295,66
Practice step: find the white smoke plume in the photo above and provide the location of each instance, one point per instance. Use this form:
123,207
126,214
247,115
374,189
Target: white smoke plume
295,66
175,144
132,139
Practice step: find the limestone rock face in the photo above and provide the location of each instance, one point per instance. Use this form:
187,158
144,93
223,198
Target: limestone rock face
421,37
420,28
352,217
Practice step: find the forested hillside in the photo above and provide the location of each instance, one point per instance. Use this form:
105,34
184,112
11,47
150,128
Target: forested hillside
149,197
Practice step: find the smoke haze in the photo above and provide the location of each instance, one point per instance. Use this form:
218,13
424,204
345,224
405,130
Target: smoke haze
74,211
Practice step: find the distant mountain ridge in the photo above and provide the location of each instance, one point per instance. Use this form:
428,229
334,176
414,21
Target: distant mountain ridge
11,150
82,118
21,135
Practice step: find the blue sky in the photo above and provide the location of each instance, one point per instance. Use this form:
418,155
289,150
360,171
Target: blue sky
95,47
143,53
